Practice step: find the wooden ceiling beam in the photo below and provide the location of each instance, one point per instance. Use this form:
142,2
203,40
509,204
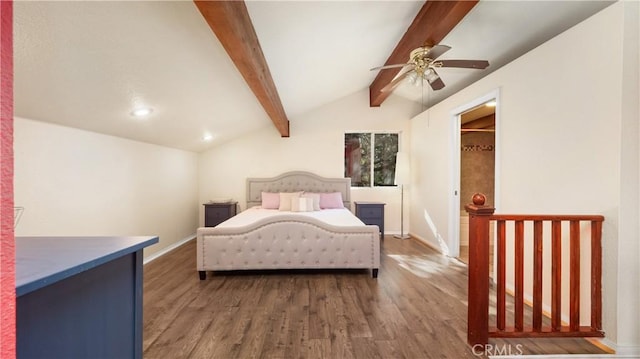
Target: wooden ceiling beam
433,22
231,23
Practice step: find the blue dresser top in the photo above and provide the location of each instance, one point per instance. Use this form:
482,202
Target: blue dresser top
42,261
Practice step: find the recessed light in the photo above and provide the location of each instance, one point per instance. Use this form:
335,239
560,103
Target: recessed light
490,104
207,137
141,112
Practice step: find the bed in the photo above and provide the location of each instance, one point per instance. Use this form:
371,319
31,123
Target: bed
267,239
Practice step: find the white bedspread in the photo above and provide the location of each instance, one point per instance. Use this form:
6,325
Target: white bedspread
337,217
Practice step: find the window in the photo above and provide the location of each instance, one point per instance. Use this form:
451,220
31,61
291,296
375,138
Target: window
370,157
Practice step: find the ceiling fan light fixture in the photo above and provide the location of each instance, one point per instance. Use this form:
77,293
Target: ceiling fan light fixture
430,76
422,65
413,78
419,53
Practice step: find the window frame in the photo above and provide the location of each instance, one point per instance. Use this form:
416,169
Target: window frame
372,135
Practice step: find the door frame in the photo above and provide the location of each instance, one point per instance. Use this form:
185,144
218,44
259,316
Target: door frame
454,197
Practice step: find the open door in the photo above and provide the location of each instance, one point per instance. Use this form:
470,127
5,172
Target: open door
475,164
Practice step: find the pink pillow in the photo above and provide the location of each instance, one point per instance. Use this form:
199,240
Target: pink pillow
270,200
331,200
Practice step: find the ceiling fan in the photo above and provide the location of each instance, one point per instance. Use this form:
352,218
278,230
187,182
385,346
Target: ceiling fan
422,65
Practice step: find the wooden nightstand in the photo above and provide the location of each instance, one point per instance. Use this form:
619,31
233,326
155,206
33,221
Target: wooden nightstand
371,213
216,213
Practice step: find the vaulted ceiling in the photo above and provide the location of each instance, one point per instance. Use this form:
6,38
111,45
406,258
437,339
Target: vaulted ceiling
432,23
90,64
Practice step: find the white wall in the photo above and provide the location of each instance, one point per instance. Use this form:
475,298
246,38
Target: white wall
316,145
75,182
629,238
560,144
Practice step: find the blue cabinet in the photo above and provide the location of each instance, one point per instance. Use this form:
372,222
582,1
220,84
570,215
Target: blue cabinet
79,297
216,213
371,213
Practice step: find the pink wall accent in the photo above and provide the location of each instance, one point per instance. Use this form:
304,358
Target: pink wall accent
7,241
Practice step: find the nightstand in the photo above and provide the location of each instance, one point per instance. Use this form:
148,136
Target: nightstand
216,213
371,213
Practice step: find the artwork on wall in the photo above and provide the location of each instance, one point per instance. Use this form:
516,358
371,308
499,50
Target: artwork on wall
476,148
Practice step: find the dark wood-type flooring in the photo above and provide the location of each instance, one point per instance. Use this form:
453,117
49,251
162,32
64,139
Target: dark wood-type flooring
416,308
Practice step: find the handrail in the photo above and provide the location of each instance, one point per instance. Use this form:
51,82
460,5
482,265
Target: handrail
547,217
480,219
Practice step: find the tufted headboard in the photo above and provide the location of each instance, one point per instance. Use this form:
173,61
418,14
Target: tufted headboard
297,181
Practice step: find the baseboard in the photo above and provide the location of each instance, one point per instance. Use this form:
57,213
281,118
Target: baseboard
393,233
425,242
604,344
168,249
632,351
558,356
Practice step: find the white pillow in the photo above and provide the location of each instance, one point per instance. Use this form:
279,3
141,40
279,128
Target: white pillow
285,200
301,204
315,197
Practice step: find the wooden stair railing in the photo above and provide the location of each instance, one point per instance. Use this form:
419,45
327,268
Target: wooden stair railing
479,330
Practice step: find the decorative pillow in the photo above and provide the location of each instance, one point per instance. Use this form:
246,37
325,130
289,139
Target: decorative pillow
315,197
285,200
270,200
331,200
301,204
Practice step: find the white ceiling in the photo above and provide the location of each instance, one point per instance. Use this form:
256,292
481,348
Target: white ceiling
89,64
501,31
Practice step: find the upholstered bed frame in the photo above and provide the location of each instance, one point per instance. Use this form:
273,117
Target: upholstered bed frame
287,241
297,181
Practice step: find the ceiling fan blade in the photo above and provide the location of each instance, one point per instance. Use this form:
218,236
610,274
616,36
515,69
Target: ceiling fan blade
466,64
389,66
393,84
437,51
435,81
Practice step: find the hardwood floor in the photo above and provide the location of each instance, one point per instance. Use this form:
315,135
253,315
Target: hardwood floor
416,308
464,256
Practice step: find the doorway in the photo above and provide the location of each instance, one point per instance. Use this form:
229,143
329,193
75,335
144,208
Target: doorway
478,118
477,164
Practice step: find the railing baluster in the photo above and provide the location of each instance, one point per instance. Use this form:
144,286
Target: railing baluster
556,275
478,326
537,276
519,269
574,276
502,278
596,275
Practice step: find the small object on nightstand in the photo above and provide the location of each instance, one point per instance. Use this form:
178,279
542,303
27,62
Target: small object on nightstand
371,213
216,213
